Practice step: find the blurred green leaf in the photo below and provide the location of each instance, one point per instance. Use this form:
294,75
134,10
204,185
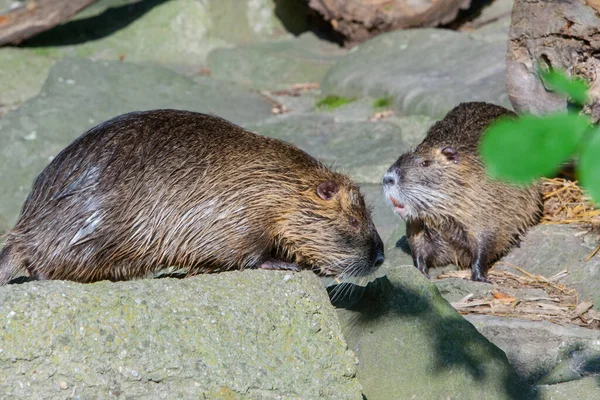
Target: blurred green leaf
333,101
522,149
576,89
589,165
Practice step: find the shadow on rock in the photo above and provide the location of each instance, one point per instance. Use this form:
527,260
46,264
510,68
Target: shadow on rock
411,342
93,28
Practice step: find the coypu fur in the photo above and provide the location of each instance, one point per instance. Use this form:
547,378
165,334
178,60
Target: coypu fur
149,190
455,213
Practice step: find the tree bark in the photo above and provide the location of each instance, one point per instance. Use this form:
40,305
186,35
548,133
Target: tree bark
37,16
562,35
358,20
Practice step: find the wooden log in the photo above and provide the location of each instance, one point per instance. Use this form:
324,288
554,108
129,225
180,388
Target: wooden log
37,16
551,34
358,20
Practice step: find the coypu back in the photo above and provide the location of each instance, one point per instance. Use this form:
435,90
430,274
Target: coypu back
163,188
455,213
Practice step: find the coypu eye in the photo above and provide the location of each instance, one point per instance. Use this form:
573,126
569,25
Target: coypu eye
353,222
425,163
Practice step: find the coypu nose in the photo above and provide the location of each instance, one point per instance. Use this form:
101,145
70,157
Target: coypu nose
379,256
379,260
388,180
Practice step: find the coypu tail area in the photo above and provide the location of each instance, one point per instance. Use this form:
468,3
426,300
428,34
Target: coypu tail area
353,85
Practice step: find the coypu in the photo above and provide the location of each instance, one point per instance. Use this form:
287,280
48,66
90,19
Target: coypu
155,189
455,213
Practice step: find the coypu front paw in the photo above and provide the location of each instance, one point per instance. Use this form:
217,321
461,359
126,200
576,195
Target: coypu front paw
279,265
478,277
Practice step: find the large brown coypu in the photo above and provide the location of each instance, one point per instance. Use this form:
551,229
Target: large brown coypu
455,213
149,190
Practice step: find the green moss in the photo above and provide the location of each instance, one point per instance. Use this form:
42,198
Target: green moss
333,101
382,102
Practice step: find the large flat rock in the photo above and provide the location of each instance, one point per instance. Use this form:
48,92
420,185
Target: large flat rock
21,76
549,249
586,388
426,71
80,94
177,33
413,345
252,334
535,348
275,65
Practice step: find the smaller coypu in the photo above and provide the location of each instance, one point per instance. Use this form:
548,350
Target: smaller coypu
149,190
454,212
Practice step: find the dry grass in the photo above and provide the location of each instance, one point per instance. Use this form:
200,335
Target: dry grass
566,203
560,305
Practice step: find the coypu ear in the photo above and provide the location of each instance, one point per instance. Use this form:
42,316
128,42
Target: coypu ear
327,190
451,154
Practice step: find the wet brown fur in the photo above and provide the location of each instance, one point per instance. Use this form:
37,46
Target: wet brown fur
149,190
455,212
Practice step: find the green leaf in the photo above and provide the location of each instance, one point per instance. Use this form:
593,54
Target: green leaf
382,102
522,149
589,165
576,89
333,101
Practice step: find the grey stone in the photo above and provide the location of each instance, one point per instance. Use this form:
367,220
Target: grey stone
80,94
364,149
549,249
275,65
22,75
176,33
7,5
425,71
412,344
558,35
455,289
587,388
535,348
580,363
493,12
384,218
252,334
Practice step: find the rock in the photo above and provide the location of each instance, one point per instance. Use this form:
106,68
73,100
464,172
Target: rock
32,72
364,149
586,388
251,334
535,348
579,364
358,20
563,35
80,94
176,33
549,249
275,65
489,14
424,71
21,23
412,344
493,21
384,218
455,289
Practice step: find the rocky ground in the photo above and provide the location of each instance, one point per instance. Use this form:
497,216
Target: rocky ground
409,342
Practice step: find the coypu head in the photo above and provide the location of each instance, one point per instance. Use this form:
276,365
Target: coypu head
424,181
329,228
438,178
